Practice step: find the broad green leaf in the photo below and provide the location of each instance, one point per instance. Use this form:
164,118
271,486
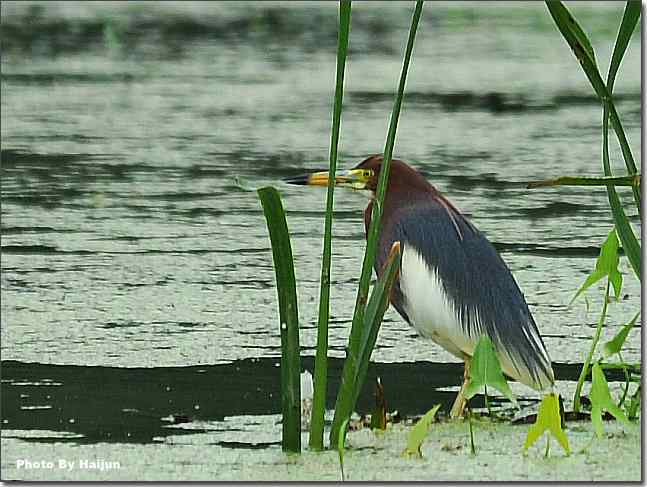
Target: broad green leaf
606,265
288,317
548,419
343,429
419,432
616,281
485,370
614,345
321,357
601,400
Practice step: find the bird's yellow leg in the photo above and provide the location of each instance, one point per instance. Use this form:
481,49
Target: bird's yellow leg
460,402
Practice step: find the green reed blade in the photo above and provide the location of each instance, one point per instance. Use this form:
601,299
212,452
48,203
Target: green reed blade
321,358
375,309
579,43
572,32
627,26
626,234
623,227
377,305
345,395
587,181
288,317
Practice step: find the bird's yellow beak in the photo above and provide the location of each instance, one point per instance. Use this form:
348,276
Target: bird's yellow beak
355,179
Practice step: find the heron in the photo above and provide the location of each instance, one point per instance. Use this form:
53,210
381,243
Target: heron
453,286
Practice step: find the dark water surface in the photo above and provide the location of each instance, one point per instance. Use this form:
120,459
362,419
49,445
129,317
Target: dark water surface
134,134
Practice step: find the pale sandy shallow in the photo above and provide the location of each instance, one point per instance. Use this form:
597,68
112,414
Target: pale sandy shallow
369,456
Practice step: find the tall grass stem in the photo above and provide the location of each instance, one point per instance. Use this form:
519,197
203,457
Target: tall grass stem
345,396
581,46
589,358
625,232
321,357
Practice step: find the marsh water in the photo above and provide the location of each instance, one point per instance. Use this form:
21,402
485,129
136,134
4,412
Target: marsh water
137,278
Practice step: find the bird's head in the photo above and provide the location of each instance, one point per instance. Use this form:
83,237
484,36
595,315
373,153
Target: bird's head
365,176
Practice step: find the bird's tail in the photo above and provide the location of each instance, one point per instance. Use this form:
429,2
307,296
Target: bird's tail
534,369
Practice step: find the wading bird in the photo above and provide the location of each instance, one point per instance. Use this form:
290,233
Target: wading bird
453,286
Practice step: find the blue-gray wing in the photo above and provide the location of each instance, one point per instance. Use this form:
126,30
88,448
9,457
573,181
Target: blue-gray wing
478,284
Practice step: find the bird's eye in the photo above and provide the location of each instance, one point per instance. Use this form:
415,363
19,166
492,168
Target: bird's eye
367,174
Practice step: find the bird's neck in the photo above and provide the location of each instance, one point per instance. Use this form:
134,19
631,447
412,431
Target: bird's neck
395,200
399,199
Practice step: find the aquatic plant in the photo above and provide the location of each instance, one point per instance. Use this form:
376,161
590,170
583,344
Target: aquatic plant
607,263
350,386
288,317
368,312
601,400
354,372
600,396
485,370
341,441
605,266
321,357
614,347
548,420
419,432
581,46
